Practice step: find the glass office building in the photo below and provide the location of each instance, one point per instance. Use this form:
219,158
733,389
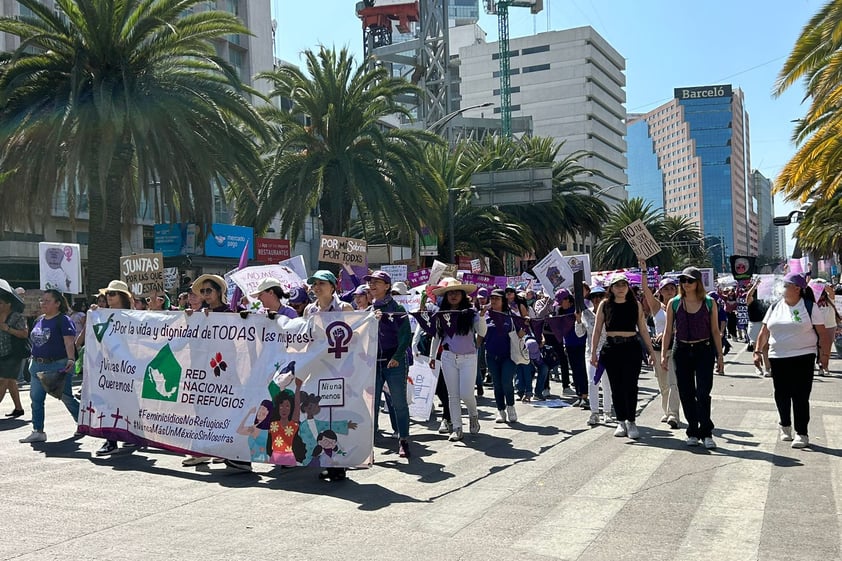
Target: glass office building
463,12
700,140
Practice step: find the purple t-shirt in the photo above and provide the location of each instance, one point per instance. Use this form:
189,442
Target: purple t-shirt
47,336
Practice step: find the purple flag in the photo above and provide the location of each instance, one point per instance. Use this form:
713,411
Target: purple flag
561,325
447,320
600,368
425,320
234,304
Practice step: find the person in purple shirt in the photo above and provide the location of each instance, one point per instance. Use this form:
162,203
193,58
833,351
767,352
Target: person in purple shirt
53,337
498,356
270,292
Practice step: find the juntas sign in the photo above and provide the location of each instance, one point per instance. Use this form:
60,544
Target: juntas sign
220,385
334,249
143,273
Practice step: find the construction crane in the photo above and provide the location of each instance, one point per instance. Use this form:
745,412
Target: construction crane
500,8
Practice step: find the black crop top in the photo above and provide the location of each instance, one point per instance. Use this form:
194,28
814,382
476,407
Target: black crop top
621,317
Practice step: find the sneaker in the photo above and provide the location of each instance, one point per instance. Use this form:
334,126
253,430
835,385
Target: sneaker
473,424
823,372
195,460
539,397
334,474
800,441
511,413
239,467
446,427
768,373
577,403
672,422
568,391
665,418
692,441
785,434
107,448
34,436
593,420
395,435
758,371
501,416
632,431
218,461
131,447
621,429
15,413
455,436
403,449
545,393
710,444
585,404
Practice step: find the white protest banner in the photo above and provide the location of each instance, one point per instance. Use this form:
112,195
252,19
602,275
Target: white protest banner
296,263
143,273
580,263
441,270
220,385
60,267
707,279
336,249
249,278
396,272
766,289
476,266
640,240
424,380
170,279
554,272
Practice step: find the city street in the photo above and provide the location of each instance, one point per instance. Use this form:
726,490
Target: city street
547,487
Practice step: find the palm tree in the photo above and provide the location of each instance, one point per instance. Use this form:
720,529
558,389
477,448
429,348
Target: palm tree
613,251
334,152
105,98
815,171
820,229
684,243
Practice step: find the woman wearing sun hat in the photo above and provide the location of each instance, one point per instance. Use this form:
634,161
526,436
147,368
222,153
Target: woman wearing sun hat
270,293
459,352
213,291
670,401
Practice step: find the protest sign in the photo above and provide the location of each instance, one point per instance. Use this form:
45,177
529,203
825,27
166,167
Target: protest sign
215,385
143,273
249,278
554,272
441,270
171,279
640,240
296,263
396,272
335,249
484,281
60,267
419,277
424,380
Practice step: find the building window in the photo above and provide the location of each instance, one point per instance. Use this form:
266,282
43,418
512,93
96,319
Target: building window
514,108
512,72
533,50
148,237
514,89
536,68
496,56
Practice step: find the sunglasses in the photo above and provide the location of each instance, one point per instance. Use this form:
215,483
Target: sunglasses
149,299
112,293
205,291
685,280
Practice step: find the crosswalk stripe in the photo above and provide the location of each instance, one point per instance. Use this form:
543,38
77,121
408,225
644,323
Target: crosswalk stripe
728,521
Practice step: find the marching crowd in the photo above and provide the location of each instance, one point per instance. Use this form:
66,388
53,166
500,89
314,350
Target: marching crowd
516,340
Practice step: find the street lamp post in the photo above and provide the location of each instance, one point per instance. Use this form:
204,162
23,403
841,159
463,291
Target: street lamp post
437,126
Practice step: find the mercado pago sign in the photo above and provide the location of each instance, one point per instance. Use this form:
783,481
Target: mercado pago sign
703,92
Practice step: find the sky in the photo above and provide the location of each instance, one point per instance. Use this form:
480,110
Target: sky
666,44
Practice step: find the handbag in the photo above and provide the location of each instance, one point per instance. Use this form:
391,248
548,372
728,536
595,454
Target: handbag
517,348
52,381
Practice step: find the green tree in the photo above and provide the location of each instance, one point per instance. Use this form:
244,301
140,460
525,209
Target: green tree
333,152
613,251
820,229
815,171
106,97
683,242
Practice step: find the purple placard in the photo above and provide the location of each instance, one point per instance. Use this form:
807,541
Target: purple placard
419,277
484,281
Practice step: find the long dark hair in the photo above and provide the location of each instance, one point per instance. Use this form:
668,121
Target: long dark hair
299,450
464,321
610,302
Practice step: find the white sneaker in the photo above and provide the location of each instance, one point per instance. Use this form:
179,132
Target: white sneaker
785,433
473,424
34,436
632,431
768,374
195,461
455,436
593,419
665,418
621,429
501,416
800,441
512,414
446,427
710,444
758,371
692,441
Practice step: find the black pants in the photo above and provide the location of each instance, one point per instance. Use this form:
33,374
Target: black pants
793,381
694,377
441,393
622,364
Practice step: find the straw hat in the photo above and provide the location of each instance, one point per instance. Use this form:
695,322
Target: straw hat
117,286
215,279
448,284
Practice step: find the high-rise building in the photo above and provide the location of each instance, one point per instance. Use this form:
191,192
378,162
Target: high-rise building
766,231
249,54
700,141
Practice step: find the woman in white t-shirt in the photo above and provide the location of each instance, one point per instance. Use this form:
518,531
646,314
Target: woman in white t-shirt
788,328
824,296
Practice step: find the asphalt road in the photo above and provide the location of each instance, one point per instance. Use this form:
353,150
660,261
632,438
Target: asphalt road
547,487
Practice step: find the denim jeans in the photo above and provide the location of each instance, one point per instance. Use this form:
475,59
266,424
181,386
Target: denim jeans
38,394
523,379
543,373
694,376
576,356
502,370
396,379
481,366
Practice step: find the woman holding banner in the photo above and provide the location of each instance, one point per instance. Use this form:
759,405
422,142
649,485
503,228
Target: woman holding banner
457,329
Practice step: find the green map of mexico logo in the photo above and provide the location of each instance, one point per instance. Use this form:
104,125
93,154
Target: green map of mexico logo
162,377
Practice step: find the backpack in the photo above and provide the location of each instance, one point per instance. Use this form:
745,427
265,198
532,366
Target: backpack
677,300
807,304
